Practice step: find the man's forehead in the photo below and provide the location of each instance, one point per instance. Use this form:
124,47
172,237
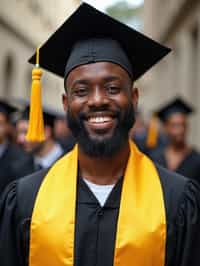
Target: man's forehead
105,71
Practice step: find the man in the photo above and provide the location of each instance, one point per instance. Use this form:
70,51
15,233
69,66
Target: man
41,154
9,153
178,156
104,203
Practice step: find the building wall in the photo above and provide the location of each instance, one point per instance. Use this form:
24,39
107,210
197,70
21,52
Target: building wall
24,25
177,25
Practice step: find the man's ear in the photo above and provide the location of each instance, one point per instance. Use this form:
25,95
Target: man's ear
65,101
135,97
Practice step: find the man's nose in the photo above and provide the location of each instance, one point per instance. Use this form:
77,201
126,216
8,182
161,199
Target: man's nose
98,98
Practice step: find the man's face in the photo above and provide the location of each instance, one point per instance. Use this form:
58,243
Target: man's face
100,105
21,131
4,127
176,128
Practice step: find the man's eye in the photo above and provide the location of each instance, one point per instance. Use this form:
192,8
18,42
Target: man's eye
113,89
81,92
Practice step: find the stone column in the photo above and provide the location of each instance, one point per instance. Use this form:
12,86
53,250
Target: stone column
187,58
197,135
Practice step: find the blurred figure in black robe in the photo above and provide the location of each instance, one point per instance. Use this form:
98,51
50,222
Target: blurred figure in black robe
40,155
139,133
178,156
10,154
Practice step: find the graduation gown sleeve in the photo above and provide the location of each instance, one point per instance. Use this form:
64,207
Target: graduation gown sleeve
187,227
16,205
9,229
182,204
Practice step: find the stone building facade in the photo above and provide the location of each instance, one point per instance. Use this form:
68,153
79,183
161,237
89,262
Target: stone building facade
24,25
177,25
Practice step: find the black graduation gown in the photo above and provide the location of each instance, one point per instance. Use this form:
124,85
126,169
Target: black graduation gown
96,227
25,166
8,161
189,167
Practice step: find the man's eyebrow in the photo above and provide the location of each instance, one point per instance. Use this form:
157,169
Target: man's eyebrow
111,78
80,81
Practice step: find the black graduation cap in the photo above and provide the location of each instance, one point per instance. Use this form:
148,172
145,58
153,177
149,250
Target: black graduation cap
87,23
6,108
177,105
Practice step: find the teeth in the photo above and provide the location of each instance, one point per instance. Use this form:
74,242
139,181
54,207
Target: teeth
99,119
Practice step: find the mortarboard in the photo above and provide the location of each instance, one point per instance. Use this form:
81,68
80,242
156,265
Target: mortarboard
6,108
90,36
87,23
177,105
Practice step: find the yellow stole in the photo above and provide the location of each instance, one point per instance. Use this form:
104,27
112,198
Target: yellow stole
141,228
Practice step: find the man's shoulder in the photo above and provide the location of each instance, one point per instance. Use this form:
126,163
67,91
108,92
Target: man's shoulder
13,152
173,186
32,181
171,179
27,189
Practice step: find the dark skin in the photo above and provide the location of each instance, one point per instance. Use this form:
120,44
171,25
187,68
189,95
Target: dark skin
95,86
4,126
176,129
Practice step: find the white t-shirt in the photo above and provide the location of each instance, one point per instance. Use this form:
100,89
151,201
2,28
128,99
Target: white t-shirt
101,192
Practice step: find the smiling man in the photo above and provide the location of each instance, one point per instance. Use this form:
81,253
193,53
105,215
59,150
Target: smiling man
105,203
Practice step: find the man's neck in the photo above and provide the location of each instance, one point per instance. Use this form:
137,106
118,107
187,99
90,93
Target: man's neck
177,148
175,155
104,171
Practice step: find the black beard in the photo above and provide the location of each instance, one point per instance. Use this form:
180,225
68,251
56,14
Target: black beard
105,147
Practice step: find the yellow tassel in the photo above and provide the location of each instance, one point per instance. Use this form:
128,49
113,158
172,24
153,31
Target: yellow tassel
152,137
36,121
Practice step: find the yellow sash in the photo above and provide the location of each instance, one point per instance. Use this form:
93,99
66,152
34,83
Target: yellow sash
141,228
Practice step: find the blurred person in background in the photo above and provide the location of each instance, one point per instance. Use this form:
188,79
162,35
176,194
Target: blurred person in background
178,155
62,132
40,155
140,134
10,154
